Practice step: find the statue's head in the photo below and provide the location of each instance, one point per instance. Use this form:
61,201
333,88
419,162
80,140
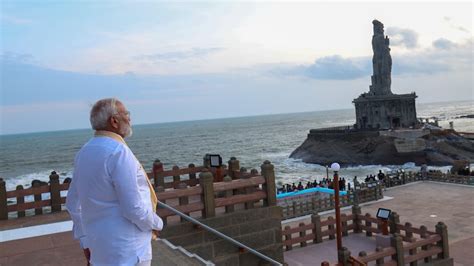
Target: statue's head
378,27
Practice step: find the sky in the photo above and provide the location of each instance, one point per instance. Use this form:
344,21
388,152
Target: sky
177,61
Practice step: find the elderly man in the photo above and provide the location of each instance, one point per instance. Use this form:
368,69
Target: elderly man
111,200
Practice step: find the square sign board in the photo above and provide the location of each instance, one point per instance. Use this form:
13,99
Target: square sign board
215,160
383,213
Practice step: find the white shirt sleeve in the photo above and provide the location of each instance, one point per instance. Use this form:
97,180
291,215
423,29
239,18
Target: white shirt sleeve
73,205
123,171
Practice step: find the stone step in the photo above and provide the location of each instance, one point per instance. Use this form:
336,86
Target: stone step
167,254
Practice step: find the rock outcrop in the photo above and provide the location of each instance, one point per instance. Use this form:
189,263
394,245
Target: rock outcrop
433,147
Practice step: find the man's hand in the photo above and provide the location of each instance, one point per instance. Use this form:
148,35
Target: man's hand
87,253
155,234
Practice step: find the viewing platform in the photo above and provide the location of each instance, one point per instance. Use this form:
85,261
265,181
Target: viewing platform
245,207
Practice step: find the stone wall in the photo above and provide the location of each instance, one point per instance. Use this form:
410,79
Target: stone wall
258,228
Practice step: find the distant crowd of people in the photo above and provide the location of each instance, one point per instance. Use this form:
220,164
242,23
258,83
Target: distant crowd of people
328,183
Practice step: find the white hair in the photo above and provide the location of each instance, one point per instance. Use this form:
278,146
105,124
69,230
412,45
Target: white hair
101,113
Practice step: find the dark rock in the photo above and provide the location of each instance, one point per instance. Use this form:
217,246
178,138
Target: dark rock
369,147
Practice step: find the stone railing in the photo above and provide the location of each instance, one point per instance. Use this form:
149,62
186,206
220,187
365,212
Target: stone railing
227,196
408,244
247,187
300,206
46,197
172,178
404,178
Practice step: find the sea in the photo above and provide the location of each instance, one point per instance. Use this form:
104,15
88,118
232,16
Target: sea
252,140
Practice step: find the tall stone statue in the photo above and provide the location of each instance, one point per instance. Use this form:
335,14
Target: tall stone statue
381,62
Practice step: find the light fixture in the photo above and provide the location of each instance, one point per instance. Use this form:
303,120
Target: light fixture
335,167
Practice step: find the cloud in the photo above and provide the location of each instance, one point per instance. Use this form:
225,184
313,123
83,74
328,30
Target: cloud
443,44
338,68
436,59
179,55
403,37
15,20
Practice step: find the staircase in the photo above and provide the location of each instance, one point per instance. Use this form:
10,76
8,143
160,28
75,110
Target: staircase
167,254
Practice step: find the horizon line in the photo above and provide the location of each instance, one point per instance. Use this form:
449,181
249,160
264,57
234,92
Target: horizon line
208,119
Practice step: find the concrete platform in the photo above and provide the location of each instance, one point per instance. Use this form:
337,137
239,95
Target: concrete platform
315,254
420,203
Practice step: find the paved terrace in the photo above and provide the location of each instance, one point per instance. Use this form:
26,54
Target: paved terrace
420,203
415,202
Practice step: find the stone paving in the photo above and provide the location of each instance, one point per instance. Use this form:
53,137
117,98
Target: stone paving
420,203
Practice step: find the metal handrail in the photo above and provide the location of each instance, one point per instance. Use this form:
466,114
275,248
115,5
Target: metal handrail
214,231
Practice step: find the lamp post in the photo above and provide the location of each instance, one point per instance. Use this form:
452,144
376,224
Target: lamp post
335,167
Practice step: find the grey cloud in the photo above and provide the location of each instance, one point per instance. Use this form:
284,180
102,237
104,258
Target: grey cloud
402,37
428,61
337,67
333,67
179,55
461,28
444,44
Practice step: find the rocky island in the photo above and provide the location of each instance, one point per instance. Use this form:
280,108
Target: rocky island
386,130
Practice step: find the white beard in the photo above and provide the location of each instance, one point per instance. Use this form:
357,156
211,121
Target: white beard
126,130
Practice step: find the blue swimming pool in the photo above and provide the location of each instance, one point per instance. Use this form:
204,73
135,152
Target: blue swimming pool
309,190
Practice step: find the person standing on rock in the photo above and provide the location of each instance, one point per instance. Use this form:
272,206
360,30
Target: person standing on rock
111,200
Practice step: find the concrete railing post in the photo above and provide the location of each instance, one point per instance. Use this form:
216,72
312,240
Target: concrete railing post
3,200
206,182
332,227
192,175
157,168
206,161
394,219
55,192
379,261
344,225
316,221
176,177
268,171
368,225
442,230
38,198
20,200
397,243
183,201
234,166
228,194
356,212
343,256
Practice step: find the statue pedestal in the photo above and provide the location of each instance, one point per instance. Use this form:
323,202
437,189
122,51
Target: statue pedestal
382,241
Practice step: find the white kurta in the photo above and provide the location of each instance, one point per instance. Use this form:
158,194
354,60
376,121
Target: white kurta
109,203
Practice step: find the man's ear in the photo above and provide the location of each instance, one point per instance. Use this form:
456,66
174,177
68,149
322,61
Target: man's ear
114,122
